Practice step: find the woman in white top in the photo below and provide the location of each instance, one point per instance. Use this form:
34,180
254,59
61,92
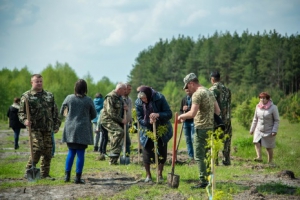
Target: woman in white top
264,126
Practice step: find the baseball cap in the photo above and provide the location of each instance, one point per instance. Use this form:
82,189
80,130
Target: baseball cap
188,78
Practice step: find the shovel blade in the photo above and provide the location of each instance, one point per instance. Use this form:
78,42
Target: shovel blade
33,174
173,180
124,160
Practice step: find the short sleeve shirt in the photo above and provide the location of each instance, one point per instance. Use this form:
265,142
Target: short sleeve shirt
204,118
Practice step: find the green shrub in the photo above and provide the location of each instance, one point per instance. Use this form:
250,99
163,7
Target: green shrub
289,108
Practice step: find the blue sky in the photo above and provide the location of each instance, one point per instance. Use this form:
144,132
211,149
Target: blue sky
103,38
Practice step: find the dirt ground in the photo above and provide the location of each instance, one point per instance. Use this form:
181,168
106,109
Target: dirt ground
107,184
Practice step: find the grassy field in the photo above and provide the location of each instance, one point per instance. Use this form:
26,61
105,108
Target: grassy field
286,157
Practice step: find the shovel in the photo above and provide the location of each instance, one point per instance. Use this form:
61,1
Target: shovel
139,142
33,173
173,179
178,162
155,151
124,160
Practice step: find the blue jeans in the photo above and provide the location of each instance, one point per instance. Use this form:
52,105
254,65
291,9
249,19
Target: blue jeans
189,137
16,136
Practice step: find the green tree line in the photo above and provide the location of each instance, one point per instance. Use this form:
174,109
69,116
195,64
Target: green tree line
248,63
58,79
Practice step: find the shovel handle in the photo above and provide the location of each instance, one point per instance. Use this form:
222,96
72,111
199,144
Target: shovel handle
155,150
29,128
124,145
179,138
139,143
174,141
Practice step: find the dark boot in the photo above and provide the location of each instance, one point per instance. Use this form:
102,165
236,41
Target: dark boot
96,148
67,176
113,160
78,179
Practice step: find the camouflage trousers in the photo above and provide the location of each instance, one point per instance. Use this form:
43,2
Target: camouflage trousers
116,135
42,148
200,151
227,144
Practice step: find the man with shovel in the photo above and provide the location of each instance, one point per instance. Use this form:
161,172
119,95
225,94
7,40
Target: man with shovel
112,120
204,105
43,121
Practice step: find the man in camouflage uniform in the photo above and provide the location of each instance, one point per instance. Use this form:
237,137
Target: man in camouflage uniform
43,121
204,105
112,120
223,97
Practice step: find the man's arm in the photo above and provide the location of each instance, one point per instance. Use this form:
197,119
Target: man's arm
190,114
217,108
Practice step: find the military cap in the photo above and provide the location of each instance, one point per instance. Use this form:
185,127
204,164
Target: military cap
188,78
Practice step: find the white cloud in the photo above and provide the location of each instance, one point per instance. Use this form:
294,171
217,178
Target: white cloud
114,38
194,17
93,33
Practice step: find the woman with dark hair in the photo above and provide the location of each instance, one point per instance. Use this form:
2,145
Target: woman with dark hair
264,126
79,111
151,106
14,122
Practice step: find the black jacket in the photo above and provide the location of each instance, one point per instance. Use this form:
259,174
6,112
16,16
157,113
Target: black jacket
184,102
14,122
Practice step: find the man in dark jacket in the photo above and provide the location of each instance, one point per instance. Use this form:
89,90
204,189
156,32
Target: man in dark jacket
188,124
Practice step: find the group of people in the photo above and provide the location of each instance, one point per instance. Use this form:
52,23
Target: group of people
113,112
217,101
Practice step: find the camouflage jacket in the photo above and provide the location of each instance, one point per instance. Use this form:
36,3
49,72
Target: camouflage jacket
223,97
43,110
112,109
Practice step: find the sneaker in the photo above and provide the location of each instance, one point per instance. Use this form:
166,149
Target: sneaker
200,185
148,179
47,177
